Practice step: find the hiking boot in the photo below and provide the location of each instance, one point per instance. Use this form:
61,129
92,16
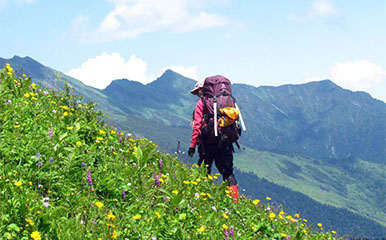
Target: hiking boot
234,192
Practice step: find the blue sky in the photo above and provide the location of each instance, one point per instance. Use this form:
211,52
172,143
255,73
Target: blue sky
254,42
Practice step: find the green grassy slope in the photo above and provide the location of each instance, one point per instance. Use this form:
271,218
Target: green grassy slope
323,181
66,175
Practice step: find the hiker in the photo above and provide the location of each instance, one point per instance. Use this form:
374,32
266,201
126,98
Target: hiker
214,148
197,90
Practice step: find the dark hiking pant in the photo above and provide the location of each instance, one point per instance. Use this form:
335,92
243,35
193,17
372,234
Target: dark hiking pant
222,157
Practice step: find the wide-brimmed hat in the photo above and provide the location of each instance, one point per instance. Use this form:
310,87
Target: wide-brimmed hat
197,87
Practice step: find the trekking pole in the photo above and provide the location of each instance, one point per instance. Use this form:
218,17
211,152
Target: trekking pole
215,116
241,118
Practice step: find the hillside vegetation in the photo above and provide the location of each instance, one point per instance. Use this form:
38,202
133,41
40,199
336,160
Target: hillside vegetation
64,174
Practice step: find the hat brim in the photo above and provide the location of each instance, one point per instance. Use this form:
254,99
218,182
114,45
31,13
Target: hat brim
194,91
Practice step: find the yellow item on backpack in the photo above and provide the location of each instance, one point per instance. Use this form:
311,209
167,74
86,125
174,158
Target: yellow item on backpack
228,116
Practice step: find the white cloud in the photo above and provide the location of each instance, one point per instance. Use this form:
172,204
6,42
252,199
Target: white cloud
360,76
189,72
101,70
130,18
318,9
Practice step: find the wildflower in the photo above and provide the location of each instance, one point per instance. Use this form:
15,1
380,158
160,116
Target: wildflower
196,195
201,229
46,199
153,238
34,86
40,163
225,215
231,230
46,204
102,132
136,217
109,225
99,204
320,225
158,214
161,164
50,133
35,235
16,126
69,128
30,183
268,198
88,177
30,222
123,194
45,92
111,216
272,215
186,182
65,114
113,132
224,226
157,180
333,232
175,192
256,201
18,183
51,159
297,215
54,111
288,237
214,208
114,235
78,143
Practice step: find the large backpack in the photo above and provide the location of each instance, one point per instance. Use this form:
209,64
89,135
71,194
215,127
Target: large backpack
217,102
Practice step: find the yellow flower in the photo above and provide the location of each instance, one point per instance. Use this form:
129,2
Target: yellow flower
26,95
18,183
78,143
65,114
34,98
320,225
99,138
175,192
193,182
102,132
158,214
114,235
110,216
25,102
36,235
186,182
272,216
297,215
225,215
333,232
113,132
256,201
99,204
203,194
52,102
115,153
9,68
136,217
215,177
29,221
161,180
268,198
109,225
283,235
69,128
201,229
16,126
34,86
30,183
224,226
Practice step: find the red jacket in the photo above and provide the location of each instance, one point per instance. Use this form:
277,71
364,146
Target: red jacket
198,120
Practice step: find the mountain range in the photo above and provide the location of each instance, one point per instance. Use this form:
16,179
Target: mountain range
316,148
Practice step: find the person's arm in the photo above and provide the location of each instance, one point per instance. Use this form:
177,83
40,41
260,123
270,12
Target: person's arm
198,116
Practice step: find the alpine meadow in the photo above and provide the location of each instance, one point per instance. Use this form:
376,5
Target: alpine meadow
82,163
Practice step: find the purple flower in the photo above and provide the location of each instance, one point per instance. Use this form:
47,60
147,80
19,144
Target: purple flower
45,92
40,164
226,233
46,204
38,155
123,194
154,238
288,237
51,159
231,230
46,199
120,139
161,164
83,165
50,133
156,179
89,179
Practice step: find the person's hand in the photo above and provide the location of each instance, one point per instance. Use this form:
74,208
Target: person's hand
191,151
